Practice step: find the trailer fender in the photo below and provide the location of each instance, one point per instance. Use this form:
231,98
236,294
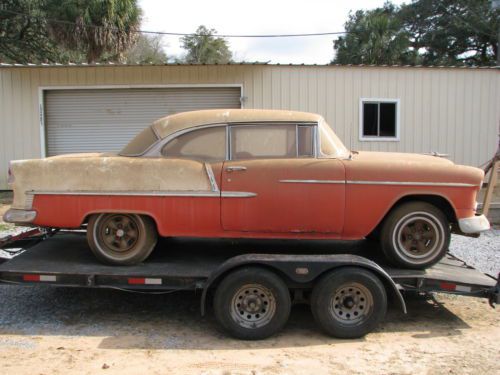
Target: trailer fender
300,269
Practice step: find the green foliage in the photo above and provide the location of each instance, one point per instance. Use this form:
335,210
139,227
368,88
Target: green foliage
374,37
94,27
205,48
25,39
147,50
453,32
428,32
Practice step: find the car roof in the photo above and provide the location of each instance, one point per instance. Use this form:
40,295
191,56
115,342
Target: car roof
185,120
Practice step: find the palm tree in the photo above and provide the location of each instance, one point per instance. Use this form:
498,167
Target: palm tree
373,37
94,27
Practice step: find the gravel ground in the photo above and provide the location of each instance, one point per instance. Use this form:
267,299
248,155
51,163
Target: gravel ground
482,253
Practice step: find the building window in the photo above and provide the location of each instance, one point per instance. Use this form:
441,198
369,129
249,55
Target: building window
379,120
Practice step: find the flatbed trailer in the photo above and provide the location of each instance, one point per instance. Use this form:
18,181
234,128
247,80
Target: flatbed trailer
347,284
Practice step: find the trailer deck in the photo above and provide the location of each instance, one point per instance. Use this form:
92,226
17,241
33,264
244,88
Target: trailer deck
65,259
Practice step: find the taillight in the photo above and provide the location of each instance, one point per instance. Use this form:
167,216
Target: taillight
10,178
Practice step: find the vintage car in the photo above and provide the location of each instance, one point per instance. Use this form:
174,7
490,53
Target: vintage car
249,174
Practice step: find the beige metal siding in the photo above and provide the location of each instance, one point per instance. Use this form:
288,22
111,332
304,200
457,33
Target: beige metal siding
105,120
450,110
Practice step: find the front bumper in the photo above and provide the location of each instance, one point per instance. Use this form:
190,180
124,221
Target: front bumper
16,216
474,224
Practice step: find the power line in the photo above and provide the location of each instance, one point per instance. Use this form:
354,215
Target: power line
177,34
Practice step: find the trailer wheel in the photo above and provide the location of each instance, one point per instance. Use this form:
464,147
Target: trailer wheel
121,239
252,303
349,302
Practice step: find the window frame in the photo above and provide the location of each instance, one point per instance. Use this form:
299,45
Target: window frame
314,142
376,138
173,137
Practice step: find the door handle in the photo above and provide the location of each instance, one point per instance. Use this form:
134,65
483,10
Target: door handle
236,168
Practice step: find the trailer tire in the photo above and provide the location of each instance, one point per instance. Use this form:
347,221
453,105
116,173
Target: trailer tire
135,241
349,302
252,303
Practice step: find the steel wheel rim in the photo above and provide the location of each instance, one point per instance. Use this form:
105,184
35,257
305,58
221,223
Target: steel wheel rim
119,233
351,304
418,236
253,306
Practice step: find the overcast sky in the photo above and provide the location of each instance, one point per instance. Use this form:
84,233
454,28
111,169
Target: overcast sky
258,17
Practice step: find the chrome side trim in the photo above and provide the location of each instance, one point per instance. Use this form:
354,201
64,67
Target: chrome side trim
211,177
409,183
186,193
237,194
172,193
314,181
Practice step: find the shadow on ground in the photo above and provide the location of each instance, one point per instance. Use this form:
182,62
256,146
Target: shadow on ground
172,321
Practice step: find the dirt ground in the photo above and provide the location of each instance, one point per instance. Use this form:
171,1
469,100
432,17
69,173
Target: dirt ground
92,331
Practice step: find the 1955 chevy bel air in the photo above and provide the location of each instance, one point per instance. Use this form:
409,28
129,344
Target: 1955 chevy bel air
248,174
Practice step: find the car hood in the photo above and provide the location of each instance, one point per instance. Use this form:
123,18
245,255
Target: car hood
400,158
400,167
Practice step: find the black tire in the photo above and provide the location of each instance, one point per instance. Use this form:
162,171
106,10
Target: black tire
121,239
234,309
415,235
349,302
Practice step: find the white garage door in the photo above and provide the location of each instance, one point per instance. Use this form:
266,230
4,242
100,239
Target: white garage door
104,120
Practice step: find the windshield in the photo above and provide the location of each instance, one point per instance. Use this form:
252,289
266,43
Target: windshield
330,145
140,143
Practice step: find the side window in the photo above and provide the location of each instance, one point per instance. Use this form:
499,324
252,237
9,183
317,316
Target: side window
271,141
305,136
207,144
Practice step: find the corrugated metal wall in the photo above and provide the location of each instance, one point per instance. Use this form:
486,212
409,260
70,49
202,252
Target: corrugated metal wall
106,120
450,110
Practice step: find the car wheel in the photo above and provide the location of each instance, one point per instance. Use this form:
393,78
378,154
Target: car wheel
415,235
121,239
252,303
349,302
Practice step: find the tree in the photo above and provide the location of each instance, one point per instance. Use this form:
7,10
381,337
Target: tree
204,48
94,27
23,33
452,32
428,32
147,50
374,37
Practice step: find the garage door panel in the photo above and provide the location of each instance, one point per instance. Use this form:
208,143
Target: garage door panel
106,119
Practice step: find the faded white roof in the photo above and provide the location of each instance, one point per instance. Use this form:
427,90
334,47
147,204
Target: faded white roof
174,123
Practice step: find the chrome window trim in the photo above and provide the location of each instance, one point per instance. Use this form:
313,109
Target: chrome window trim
156,149
211,177
314,181
264,123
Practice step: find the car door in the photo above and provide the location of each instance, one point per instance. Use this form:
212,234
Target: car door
273,182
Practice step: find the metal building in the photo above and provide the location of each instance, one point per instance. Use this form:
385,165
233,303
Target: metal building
52,109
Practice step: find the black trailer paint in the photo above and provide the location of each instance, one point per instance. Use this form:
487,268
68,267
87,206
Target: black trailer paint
65,260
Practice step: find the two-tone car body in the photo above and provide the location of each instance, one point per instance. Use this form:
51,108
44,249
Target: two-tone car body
249,174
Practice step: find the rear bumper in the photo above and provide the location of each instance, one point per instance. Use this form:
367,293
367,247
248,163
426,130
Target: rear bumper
16,216
474,224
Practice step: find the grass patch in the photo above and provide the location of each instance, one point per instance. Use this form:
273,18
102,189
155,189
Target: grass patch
4,226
